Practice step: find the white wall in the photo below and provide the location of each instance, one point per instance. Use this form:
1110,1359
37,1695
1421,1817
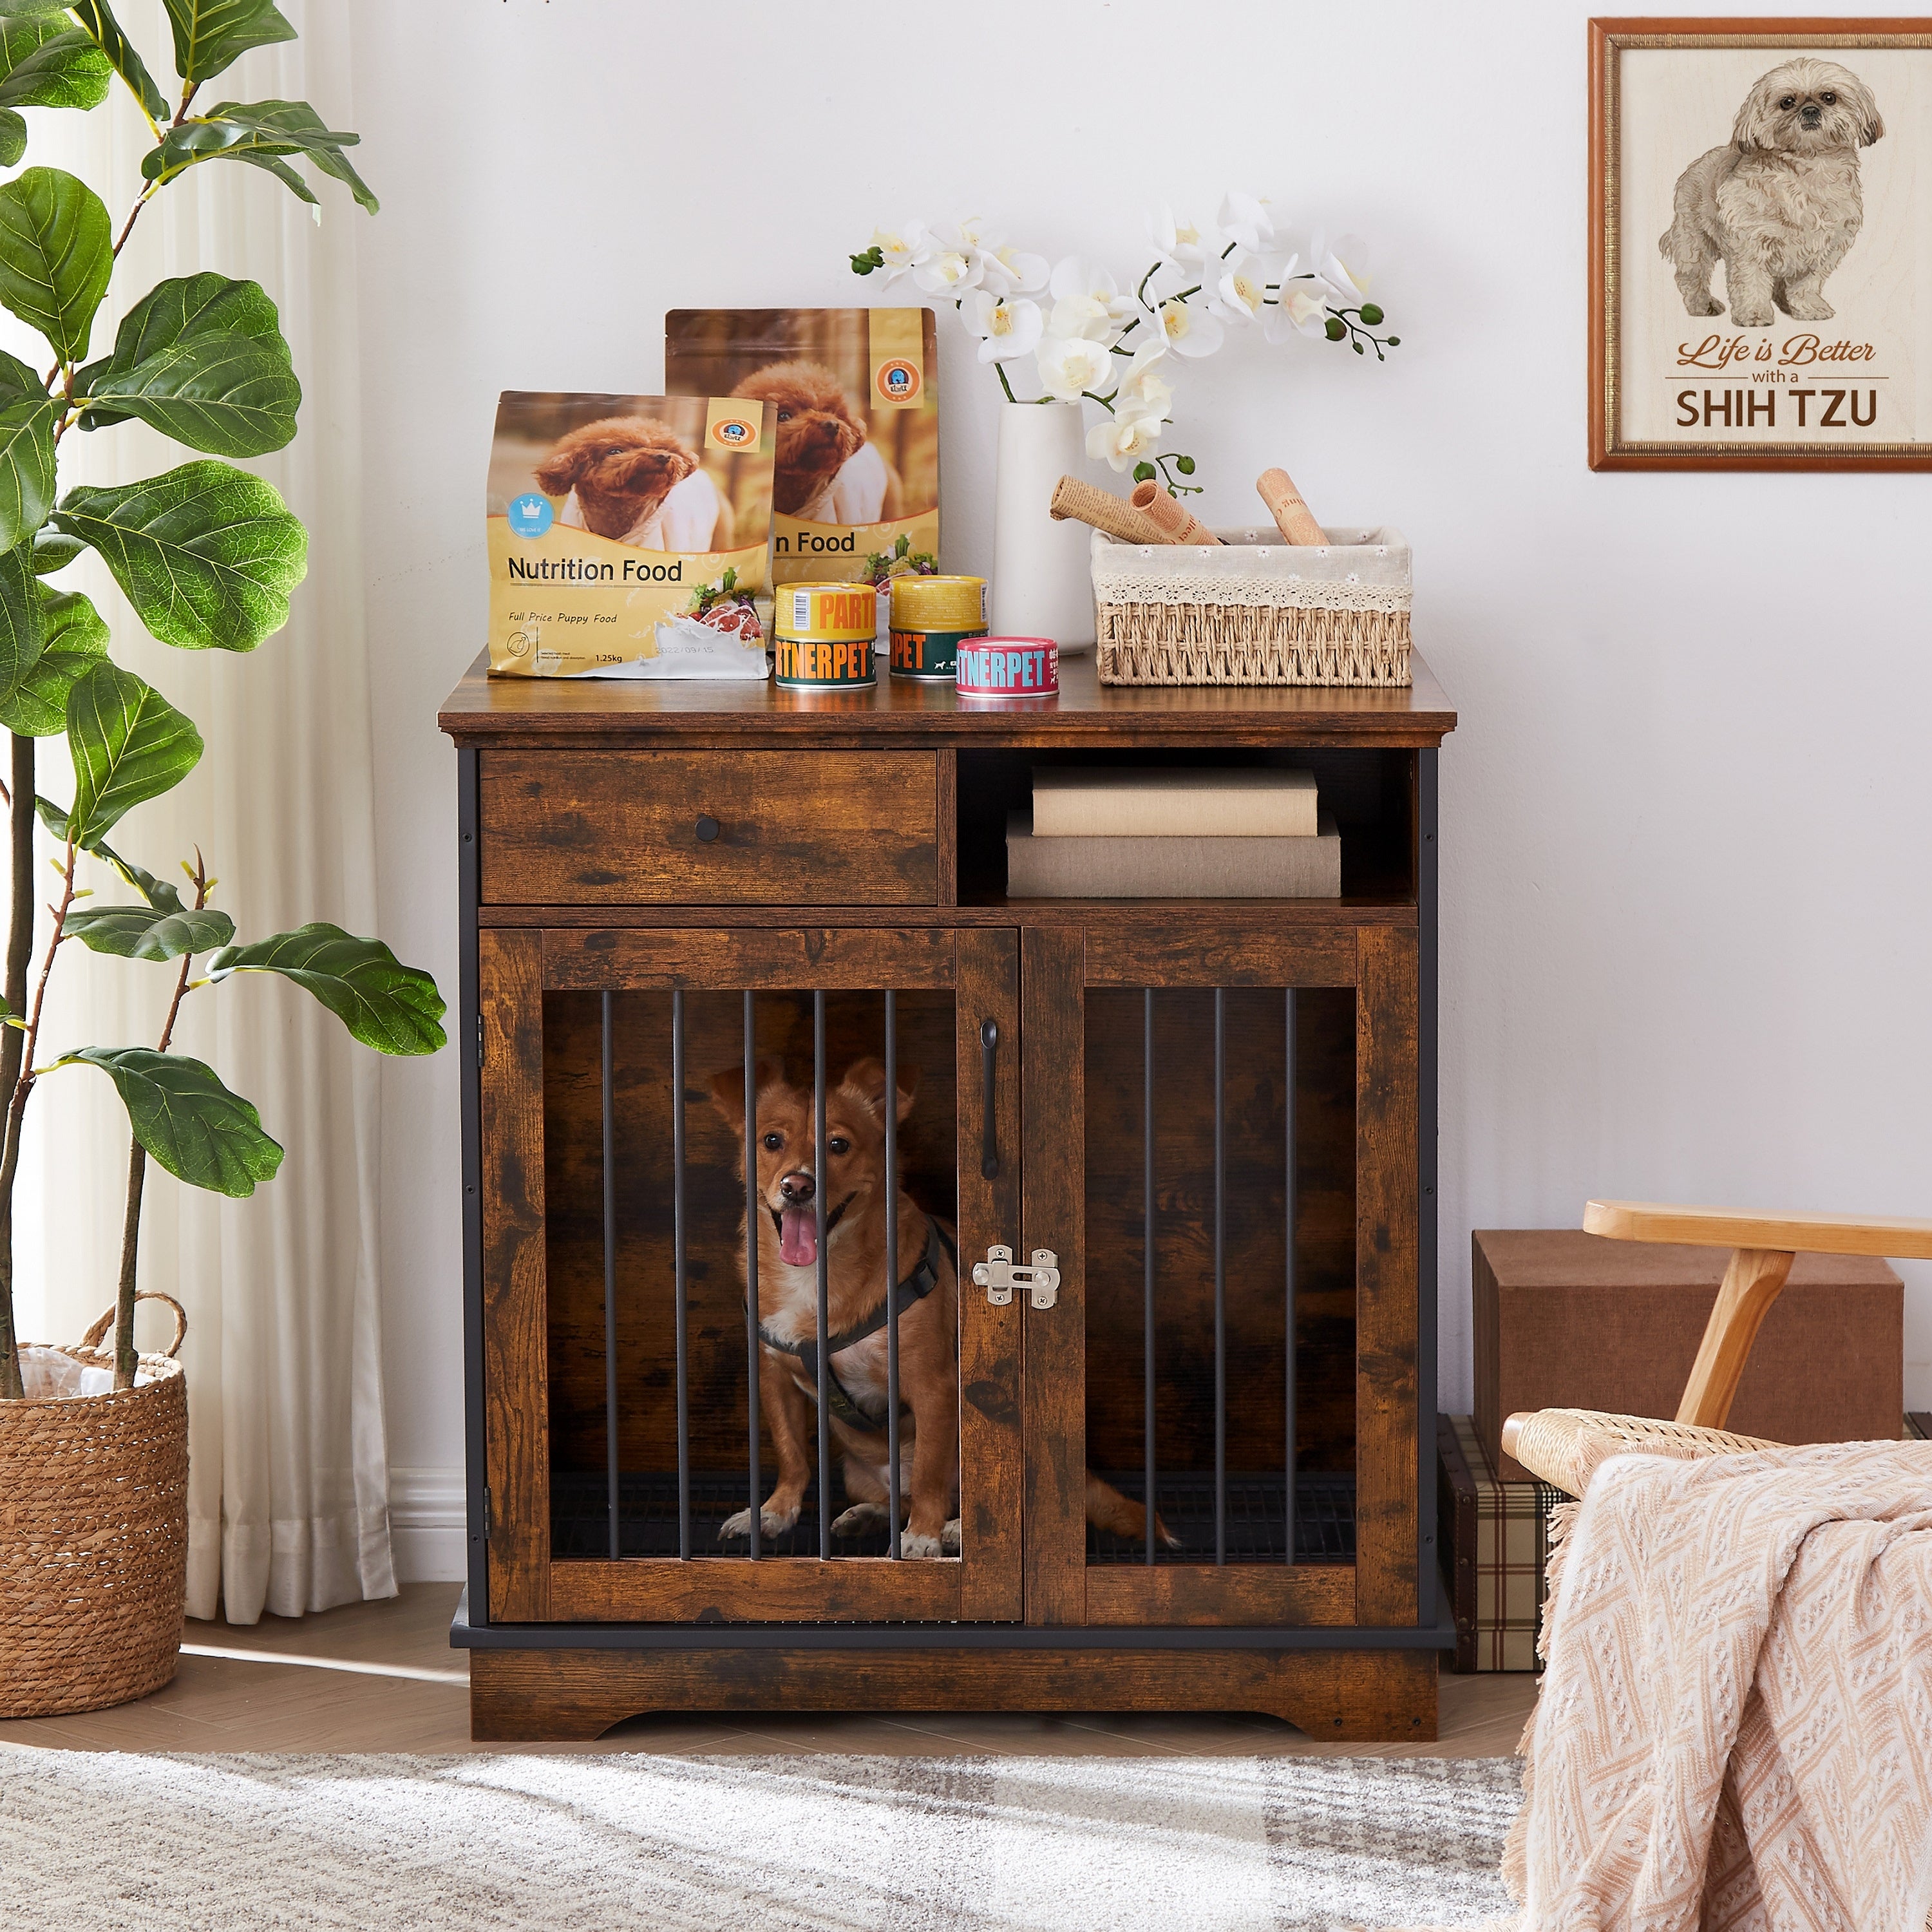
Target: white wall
1686,814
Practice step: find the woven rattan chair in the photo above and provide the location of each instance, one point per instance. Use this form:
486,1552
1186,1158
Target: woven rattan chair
1564,1446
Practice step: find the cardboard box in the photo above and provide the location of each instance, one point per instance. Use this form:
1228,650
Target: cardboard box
1567,1320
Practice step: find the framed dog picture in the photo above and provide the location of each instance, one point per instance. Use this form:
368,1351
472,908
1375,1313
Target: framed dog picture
1761,244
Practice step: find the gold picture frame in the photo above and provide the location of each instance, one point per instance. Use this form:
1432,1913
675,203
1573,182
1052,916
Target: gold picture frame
1717,419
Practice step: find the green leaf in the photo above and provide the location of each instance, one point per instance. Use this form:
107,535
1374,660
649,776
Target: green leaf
141,932
26,468
159,894
187,1120
211,34
385,1004
203,359
13,136
18,383
245,130
97,17
75,640
282,171
56,253
47,61
53,552
22,627
128,744
206,553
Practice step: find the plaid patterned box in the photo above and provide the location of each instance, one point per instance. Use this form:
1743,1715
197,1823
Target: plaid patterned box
1495,1538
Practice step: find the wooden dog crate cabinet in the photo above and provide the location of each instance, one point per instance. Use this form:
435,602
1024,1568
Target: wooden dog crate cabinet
1214,1119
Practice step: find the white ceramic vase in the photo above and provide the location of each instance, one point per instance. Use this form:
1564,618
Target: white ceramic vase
1042,586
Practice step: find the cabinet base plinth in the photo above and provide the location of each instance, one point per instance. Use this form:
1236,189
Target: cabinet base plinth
1366,1696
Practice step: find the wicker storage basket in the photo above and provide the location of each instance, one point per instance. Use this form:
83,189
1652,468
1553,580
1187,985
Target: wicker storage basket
93,1531
1253,609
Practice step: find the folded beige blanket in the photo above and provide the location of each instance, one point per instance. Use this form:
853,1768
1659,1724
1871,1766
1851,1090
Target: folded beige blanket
1735,1731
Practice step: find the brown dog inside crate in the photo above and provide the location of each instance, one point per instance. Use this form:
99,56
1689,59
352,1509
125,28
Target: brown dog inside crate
852,1177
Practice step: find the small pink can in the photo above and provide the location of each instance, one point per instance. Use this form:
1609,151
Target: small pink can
1008,667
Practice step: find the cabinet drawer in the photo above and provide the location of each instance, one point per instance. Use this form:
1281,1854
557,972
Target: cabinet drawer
702,828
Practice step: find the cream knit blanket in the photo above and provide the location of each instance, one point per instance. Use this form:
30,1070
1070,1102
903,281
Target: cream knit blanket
1735,1731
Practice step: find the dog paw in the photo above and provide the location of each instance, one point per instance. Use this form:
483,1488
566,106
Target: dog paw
771,1522
913,1545
860,1519
949,1537
1751,318
1810,308
1710,305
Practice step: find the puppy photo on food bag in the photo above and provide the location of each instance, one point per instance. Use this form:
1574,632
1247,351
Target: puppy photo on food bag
828,472
853,397
847,1184
635,481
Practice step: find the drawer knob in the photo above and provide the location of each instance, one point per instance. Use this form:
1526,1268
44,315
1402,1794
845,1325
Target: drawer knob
707,829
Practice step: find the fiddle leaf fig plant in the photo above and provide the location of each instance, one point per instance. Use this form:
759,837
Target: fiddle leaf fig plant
208,555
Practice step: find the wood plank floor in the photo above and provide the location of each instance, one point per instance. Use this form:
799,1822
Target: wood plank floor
381,1677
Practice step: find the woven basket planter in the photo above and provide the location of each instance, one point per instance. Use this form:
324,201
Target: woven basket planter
1253,609
93,1533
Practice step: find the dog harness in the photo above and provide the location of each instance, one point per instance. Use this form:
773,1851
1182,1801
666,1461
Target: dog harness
914,1288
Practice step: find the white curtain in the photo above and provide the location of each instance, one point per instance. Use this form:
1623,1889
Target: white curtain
288,1484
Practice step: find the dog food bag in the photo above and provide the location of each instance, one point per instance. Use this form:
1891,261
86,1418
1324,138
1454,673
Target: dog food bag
630,536
854,396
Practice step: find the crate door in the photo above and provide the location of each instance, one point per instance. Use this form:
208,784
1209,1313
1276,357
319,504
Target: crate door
633,1414
1221,1150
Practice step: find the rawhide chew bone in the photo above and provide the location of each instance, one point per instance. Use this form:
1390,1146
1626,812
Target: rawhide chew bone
1181,524
1084,504
1292,515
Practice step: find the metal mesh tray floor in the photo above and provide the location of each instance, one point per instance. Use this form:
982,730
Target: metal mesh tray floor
1324,1519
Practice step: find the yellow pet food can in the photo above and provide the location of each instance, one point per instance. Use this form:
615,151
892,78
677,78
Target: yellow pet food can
931,617
824,635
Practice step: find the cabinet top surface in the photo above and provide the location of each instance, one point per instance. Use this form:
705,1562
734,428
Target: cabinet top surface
484,709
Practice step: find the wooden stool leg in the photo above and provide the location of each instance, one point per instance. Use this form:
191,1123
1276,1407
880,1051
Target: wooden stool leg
1751,1284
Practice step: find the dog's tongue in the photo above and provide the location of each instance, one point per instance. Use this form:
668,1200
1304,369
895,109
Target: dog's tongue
798,1235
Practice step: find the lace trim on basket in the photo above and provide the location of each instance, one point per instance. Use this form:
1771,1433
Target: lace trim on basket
1178,588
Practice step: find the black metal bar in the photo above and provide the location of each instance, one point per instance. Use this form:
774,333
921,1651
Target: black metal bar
1220,1275
891,1274
1146,1262
469,1088
822,1178
1289,1072
612,1447
989,1138
752,1207
678,1224
1427,868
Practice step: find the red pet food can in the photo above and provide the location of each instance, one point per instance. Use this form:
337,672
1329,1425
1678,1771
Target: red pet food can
1008,667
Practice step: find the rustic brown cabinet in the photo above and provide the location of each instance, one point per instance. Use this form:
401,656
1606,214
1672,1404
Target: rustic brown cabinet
1217,1115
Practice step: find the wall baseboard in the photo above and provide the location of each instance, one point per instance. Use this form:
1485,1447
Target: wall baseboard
426,1526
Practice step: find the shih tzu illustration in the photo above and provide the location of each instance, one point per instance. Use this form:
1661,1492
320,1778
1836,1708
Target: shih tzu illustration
1779,204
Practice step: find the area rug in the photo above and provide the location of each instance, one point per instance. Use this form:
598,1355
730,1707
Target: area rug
139,1843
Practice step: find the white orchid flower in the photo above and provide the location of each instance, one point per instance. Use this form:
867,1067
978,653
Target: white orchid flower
950,270
1180,241
1345,267
1124,439
1248,220
904,248
1240,290
1187,332
1302,308
1087,300
1143,387
1007,272
1071,365
1007,325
